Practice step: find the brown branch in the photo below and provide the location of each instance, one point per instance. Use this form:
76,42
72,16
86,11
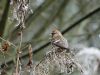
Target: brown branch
18,55
30,56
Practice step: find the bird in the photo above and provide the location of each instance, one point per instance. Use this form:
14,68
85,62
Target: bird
58,40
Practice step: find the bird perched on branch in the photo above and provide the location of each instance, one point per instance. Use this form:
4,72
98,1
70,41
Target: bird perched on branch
58,40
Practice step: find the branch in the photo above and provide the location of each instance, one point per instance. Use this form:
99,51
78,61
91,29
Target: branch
82,19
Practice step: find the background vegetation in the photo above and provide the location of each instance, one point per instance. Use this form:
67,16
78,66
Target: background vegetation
78,20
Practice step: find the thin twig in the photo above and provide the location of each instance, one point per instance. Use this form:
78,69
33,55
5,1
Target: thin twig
9,42
17,64
18,54
20,40
4,58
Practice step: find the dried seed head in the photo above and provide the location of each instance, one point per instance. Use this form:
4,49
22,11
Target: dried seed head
20,11
5,46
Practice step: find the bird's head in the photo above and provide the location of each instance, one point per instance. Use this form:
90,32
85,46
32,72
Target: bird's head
56,34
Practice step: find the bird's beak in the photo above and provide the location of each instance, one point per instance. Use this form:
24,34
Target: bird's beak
50,34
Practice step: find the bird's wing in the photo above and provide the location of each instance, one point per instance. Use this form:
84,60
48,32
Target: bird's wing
61,43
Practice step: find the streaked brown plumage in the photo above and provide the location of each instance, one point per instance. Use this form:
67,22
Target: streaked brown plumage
58,39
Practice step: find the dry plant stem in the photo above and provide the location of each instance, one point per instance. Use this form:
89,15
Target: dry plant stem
3,52
26,46
17,64
9,42
30,56
20,40
30,53
4,58
18,55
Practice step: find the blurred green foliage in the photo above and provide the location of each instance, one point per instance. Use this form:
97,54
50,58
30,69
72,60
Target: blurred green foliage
46,15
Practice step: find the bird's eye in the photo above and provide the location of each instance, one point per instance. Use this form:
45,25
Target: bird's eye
53,33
